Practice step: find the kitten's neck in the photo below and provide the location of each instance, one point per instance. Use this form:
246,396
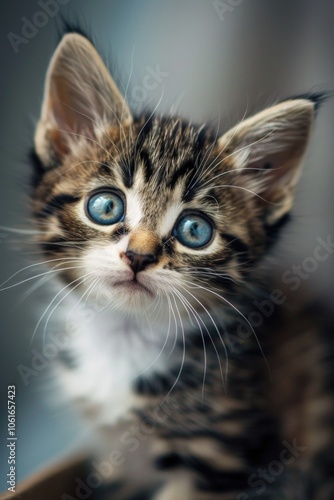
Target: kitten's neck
112,351
148,331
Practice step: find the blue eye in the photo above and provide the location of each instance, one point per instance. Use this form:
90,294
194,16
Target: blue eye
193,231
105,208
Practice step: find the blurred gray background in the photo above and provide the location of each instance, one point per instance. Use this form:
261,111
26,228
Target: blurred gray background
215,65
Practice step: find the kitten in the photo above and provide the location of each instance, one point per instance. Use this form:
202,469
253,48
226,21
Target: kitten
164,223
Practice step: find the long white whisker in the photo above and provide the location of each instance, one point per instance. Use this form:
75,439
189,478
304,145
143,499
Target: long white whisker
95,123
86,292
209,169
242,315
48,307
247,146
20,231
33,288
183,350
83,279
188,308
33,265
228,186
216,328
39,275
164,344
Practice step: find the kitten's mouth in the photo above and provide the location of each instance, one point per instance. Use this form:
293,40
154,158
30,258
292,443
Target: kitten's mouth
133,286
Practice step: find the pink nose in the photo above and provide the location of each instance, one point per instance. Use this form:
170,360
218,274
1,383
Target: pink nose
138,262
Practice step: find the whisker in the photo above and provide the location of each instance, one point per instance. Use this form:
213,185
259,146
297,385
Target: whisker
94,122
20,231
188,308
243,316
50,304
208,170
164,344
210,337
227,186
33,289
83,279
29,267
41,274
237,151
183,350
216,328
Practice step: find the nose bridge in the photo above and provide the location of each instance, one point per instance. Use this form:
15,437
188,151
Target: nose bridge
143,242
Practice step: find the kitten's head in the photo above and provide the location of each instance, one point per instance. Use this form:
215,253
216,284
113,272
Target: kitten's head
153,207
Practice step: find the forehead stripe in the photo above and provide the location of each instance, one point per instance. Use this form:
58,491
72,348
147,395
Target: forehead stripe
57,203
183,170
235,244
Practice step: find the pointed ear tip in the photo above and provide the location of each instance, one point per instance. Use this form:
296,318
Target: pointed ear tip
307,106
298,108
298,102
73,39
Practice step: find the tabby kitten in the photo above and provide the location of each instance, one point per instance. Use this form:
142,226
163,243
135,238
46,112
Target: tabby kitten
164,223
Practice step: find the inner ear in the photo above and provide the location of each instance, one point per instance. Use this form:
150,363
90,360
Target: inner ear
267,151
80,98
271,136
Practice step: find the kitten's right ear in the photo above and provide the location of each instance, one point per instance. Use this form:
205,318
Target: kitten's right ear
80,98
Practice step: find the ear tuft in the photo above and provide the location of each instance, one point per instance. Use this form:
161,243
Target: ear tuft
317,98
70,25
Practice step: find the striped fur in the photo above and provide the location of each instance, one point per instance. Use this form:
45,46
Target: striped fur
160,352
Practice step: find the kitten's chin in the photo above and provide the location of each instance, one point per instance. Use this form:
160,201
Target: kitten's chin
127,295
133,288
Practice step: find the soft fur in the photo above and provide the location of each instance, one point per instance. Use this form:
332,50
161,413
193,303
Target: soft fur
159,349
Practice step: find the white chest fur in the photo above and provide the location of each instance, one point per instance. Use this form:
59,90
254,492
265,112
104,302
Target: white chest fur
110,351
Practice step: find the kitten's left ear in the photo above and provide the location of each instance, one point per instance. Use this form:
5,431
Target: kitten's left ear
80,97
267,151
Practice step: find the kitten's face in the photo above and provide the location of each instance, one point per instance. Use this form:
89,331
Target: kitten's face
138,210
142,214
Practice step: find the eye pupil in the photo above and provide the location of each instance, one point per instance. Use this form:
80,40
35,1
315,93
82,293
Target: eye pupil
109,207
193,231
105,208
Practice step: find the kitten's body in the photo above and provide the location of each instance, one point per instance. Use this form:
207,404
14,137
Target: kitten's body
158,355
205,440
